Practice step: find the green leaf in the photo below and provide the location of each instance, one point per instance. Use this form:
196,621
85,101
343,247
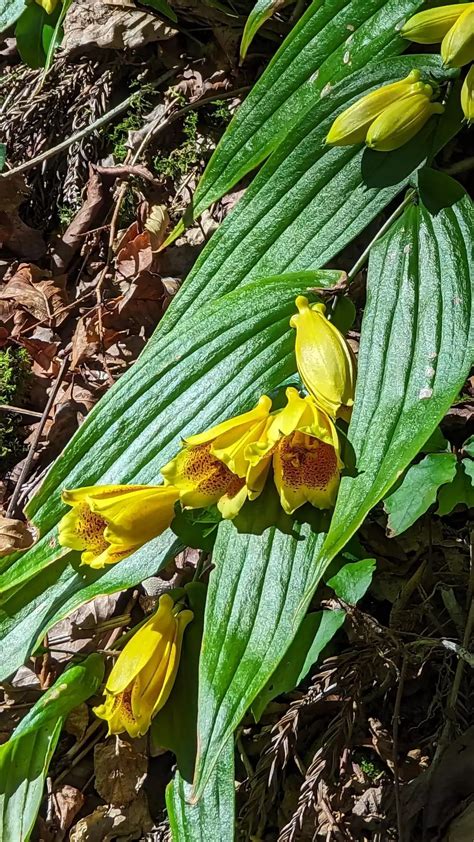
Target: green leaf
10,12
232,350
251,617
3,155
197,528
459,491
174,726
415,353
309,200
331,41
418,490
468,447
162,7
262,11
315,632
352,581
212,819
25,758
436,443
29,36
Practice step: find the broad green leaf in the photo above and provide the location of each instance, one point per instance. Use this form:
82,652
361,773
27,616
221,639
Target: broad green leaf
25,757
174,726
468,447
459,491
418,490
262,11
315,632
231,352
212,819
10,12
353,580
29,35
415,353
331,41
254,593
309,200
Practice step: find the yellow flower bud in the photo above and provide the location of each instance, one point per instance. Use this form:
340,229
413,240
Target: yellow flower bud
352,125
325,362
467,95
143,676
430,26
400,122
48,5
457,48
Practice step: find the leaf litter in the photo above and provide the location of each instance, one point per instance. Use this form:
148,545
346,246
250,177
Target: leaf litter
82,279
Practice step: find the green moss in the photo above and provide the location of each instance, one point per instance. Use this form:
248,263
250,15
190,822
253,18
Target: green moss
180,160
369,764
14,375
117,135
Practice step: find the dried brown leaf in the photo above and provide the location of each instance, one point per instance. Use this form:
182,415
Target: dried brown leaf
67,801
107,824
38,294
14,535
91,24
18,237
87,217
120,771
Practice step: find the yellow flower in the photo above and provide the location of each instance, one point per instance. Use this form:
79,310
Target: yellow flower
400,122
325,362
109,522
430,26
48,5
352,125
143,676
467,95
302,443
212,468
457,47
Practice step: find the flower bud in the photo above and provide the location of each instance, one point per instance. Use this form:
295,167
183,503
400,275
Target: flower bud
400,122
430,26
352,125
325,362
467,96
48,5
457,48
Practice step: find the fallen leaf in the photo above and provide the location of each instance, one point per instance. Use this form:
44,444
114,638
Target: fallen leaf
107,824
67,801
134,253
14,535
18,237
90,24
120,771
462,828
96,202
77,721
42,297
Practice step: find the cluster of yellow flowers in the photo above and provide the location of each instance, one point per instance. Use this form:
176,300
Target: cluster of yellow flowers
226,465
392,115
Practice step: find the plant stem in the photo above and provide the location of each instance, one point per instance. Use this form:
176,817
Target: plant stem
365,254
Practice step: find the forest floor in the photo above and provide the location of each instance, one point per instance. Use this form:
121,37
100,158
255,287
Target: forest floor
349,754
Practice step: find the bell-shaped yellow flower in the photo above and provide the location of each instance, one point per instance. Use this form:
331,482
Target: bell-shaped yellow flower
430,26
302,443
353,124
467,95
457,47
109,522
325,362
400,122
143,676
48,5
212,468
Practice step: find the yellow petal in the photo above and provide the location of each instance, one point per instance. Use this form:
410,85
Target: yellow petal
200,478
231,448
467,95
306,470
137,516
247,418
325,362
352,125
230,505
457,48
400,122
48,5
142,647
430,26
